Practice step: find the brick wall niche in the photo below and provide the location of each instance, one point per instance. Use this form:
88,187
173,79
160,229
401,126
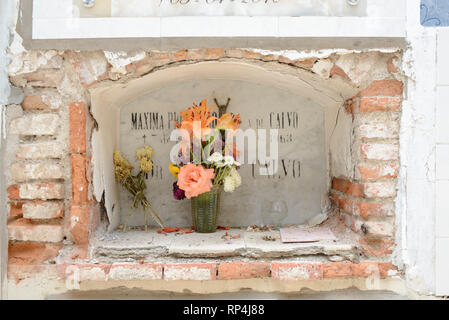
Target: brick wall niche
65,208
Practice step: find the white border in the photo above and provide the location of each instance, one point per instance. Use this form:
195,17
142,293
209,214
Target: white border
169,27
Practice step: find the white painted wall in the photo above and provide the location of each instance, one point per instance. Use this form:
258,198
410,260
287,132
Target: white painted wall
415,216
442,164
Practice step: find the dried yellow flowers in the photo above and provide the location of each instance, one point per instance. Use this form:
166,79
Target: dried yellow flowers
136,184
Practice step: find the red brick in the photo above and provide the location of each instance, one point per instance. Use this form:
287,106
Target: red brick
375,172
286,60
80,182
22,172
248,54
79,224
376,247
234,53
371,228
383,189
24,230
136,271
25,253
34,103
385,267
337,269
362,208
366,269
180,55
13,191
305,64
367,209
77,128
373,104
90,67
337,71
345,186
160,58
212,54
296,271
195,54
270,57
378,130
380,151
15,210
44,78
383,88
190,271
84,272
391,65
243,270
36,191
43,210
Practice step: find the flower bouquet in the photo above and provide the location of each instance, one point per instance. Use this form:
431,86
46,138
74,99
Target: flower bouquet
205,162
135,184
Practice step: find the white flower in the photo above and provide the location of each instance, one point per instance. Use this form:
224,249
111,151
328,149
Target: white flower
228,160
215,157
236,177
232,181
220,164
229,184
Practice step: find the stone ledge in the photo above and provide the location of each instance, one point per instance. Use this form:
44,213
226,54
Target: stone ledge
137,245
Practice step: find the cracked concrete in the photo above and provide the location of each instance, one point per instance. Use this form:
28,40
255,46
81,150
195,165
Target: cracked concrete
136,245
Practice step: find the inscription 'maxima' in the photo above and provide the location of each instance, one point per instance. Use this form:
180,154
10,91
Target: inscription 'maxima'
147,121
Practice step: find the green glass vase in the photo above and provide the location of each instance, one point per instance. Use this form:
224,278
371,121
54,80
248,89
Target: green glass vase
205,209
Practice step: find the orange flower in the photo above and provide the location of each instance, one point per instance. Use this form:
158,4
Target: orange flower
195,180
229,121
195,113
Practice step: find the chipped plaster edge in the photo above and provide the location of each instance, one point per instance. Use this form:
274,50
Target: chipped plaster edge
415,201
8,17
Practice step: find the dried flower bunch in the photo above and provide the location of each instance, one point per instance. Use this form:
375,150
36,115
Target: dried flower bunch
135,184
219,167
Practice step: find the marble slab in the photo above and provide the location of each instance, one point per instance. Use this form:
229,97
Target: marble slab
300,179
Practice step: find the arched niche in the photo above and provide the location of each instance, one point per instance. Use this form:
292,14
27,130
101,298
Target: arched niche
326,96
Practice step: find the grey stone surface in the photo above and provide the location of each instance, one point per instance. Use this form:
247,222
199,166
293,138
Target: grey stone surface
16,95
301,174
305,294
136,245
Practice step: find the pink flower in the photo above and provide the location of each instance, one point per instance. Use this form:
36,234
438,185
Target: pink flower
195,180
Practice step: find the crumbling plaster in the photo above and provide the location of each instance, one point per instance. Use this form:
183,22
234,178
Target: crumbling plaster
8,16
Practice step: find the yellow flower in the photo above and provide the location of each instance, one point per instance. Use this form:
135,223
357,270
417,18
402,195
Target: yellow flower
146,165
145,152
117,157
174,170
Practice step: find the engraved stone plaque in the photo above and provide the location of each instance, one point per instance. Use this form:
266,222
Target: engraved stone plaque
301,176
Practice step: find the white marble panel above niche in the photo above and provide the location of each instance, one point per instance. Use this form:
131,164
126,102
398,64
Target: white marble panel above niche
301,177
290,8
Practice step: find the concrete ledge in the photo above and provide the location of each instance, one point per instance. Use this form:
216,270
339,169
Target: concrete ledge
136,245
